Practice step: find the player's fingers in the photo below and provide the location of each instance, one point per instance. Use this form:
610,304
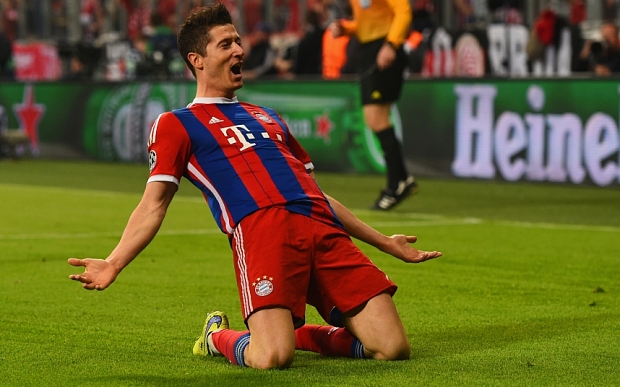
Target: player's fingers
76,262
425,256
88,286
80,277
432,254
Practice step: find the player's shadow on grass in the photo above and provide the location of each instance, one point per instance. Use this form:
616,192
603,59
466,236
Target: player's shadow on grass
454,341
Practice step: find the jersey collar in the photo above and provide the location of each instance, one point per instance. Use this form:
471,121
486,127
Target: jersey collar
211,100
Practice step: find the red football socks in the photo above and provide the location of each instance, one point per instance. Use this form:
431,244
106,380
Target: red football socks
325,340
231,344
328,341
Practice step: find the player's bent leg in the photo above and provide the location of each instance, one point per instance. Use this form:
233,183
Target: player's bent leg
378,326
272,342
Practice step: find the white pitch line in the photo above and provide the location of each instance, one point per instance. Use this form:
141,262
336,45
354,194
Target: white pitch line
557,226
92,192
104,234
393,219
422,223
426,223
398,215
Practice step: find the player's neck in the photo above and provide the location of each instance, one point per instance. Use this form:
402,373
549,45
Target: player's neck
204,90
214,94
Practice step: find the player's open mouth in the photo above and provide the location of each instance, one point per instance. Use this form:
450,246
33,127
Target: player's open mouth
236,68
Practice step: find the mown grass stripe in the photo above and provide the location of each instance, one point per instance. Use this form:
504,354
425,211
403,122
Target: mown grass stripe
438,221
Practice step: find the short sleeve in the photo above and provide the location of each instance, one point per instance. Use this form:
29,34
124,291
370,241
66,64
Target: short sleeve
169,149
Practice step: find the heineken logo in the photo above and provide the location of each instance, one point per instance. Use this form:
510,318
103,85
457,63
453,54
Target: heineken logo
126,117
535,145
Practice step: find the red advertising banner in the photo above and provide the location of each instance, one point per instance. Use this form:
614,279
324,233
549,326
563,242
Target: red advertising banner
36,61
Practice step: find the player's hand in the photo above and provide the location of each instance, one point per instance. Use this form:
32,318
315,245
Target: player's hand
399,246
386,56
98,273
336,28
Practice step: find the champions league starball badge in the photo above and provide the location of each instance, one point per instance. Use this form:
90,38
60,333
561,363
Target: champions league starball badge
263,286
152,160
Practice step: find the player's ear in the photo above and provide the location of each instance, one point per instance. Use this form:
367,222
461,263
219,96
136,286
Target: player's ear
195,60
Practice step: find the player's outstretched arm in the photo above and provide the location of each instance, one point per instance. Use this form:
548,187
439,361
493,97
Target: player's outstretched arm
395,245
141,228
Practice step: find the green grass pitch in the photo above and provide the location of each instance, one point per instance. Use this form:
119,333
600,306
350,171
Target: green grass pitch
526,294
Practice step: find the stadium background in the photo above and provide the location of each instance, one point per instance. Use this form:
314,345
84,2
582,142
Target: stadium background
526,293
472,105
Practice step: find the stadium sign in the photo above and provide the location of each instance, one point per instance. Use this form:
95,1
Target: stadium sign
535,146
542,130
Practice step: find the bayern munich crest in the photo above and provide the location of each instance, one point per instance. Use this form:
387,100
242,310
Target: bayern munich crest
152,160
262,117
263,286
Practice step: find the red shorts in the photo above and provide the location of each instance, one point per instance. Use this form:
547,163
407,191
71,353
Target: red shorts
284,259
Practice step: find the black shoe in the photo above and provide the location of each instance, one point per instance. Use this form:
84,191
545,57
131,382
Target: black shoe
390,198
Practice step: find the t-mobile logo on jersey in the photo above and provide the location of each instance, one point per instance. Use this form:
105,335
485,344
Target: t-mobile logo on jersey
239,135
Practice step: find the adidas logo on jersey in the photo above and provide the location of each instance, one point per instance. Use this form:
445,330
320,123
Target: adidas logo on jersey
215,120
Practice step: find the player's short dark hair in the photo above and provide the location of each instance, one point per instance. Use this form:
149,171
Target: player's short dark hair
194,34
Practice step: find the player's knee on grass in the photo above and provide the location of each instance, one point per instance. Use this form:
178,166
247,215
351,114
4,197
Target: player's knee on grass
392,348
272,342
270,358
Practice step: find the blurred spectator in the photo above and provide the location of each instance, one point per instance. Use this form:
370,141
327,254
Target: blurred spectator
139,20
352,56
416,47
10,18
137,61
341,54
603,57
191,5
162,37
506,11
167,9
91,19
35,17
306,56
423,15
470,14
329,10
547,31
309,51
58,19
233,7
117,15
577,12
260,61
4,120
77,70
162,47
334,54
286,16
610,10
6,53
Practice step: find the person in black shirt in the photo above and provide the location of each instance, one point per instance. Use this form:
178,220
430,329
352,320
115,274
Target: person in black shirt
260,61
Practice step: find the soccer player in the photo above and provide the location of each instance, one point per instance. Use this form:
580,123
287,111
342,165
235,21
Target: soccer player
382,26
290,242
